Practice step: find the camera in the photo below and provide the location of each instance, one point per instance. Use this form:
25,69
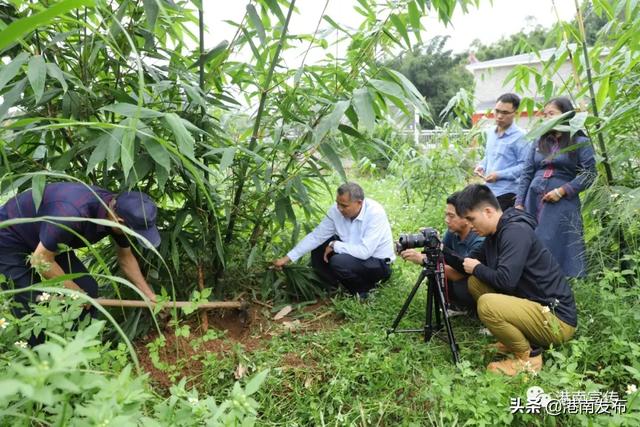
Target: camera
427,239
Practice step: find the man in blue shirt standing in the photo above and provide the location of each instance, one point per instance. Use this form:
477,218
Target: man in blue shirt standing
460,239
45,246
352,245
505,152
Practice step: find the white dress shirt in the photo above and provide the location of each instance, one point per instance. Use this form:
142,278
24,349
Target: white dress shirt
367,235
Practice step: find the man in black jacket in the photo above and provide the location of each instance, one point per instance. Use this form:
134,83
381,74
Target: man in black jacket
522,295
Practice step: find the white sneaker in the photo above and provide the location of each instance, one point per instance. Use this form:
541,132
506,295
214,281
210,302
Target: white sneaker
453,313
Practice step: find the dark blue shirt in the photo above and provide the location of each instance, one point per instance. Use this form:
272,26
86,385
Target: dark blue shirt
59,200
462,247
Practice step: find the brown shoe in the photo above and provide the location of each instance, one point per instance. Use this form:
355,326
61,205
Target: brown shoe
521,363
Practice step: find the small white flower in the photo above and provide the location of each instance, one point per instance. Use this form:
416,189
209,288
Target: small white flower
44,297
4,323
545,323
21,344
545,309
632,388
193,400
75,296
615,195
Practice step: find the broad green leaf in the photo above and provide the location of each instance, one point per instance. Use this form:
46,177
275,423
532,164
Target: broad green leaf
38,183
127,152
99,153
184,139
54,71
17,29
10,70
37,74
256,382
402,29
281,209
363,104
11,97
213,55
158,153
387,88
151,11
603,92
227,158
547,125
275,8
333,158
330,122
254,18
414,18
130,110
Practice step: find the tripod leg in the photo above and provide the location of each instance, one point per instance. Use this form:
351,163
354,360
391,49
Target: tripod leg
431,306
443,307
404,308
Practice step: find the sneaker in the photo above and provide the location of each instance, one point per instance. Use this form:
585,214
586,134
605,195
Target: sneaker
453,312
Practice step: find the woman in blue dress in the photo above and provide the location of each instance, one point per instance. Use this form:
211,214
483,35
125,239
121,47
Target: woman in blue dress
557,169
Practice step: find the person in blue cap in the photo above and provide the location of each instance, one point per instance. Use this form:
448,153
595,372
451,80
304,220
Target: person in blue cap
45,247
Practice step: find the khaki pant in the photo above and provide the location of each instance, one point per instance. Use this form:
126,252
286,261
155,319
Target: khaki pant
517,322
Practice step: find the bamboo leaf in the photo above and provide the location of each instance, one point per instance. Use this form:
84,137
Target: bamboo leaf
402,29
603,92
363,104
10,70
227,158
330,122
11,97
414,19
54,71
127,151
17,29
158,153
130,110
212,55
184,139
333,158
99,153
38,183
37,74
275,8
254,18
151,10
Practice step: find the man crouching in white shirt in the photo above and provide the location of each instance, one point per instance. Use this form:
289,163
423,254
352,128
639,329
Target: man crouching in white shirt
352,245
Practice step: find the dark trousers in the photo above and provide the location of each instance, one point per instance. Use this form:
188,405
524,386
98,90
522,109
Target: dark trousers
507,200
354,274
459,294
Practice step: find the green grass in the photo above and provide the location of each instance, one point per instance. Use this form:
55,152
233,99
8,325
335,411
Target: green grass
353,374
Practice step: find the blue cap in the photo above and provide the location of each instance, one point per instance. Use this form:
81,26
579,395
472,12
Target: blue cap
139,212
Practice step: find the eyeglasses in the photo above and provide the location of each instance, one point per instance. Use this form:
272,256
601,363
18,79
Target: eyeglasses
503,113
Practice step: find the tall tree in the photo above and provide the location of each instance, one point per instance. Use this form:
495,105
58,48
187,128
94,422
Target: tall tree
436,72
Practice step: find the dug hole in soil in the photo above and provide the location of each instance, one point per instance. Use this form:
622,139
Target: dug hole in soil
252,329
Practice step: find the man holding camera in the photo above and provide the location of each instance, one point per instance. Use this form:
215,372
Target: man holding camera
505,152
352,245
461,240
522,295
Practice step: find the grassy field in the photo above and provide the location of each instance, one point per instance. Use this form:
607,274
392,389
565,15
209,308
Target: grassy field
343,370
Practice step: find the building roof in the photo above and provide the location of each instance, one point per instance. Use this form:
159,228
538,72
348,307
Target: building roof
523,58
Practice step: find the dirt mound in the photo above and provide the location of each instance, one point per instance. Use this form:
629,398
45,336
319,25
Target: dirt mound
178,352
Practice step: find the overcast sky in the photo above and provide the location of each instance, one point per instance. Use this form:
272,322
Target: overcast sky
488,23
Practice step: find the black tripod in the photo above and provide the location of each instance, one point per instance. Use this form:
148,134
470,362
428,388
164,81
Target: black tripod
433,270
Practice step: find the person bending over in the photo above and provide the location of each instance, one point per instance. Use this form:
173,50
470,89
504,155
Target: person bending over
352,245
521,293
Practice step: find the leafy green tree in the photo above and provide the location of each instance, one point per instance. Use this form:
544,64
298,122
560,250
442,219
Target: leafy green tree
437,73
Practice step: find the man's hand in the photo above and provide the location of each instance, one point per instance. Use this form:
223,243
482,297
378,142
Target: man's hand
281,262
491,177
479,170
413,256
129,265
554,195
327,251
470,264
44,262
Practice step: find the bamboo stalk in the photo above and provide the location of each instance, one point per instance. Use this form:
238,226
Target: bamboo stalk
106,302
203,316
